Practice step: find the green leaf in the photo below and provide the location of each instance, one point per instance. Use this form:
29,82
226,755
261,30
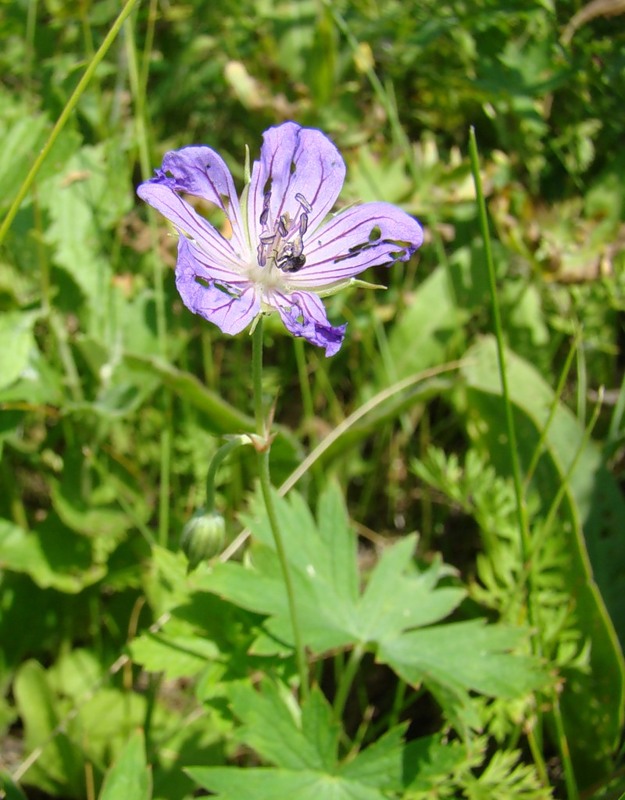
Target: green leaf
16,343
331,614
304,749
271,729
470,656
422,335
60,767
76,198
588,534
129,777
230,783
176,656
52,555
388,618
8,789
452,660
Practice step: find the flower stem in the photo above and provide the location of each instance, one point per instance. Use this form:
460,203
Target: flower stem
265,485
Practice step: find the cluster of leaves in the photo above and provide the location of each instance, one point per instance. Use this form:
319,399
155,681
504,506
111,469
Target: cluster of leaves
112,398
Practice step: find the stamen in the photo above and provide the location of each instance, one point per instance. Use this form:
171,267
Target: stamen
303,223
261,257
264,214
303,202
267,237
282,226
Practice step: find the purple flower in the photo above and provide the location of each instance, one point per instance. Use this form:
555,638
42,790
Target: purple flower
282,254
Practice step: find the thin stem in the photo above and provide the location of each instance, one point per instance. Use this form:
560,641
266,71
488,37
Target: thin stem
501,359
266,488
65,115
572,792
304,381
216,462
347,678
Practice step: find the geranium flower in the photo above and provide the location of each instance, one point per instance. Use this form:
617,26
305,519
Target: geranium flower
282,253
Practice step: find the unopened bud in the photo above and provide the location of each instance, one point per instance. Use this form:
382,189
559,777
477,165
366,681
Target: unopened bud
203,537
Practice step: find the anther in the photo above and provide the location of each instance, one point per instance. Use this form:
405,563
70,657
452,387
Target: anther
282,228
303,202
264,214
303,223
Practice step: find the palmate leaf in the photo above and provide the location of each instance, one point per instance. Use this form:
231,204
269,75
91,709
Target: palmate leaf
323,557
393,617
303,747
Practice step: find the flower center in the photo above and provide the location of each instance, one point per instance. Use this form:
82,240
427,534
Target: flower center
281,245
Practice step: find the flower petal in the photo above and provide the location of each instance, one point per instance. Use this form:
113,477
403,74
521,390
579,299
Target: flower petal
206,266
357,238
160,193
200,171
303,314
229,306
295,160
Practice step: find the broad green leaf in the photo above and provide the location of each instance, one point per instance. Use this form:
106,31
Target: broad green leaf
176,656
303,749
52,555
267,783
452,660
19,141
398,597
16,343
471,656
130,777
76,199
8,789
59,769
39,383
422,335
271,729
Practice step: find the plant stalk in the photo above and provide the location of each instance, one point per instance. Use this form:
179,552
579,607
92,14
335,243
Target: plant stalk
266,488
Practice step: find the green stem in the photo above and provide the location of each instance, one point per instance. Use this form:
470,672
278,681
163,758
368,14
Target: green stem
501,358
347,678
304,382
216,462
266,488
65,115
572,792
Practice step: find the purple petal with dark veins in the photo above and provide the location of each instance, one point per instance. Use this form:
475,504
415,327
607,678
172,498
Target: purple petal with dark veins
229,306
160,193
357,238
295,160
303,314
200,171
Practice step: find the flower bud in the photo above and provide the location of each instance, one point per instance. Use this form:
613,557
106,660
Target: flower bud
203,537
